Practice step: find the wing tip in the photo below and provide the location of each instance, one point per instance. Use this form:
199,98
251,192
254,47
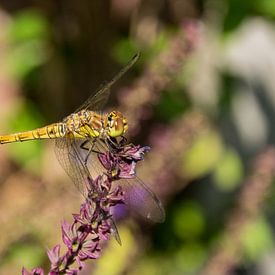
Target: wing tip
133,60
160,218
135,57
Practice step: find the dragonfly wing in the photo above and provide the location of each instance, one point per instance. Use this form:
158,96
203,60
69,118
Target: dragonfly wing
138,196
114,231
141,199
93,164
96,102
68,155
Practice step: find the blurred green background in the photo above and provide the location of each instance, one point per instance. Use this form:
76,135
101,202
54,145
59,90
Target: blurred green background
202,96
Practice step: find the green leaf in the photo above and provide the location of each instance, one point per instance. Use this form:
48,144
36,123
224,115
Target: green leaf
188,221
257,239
26,57
24,254
171,105
124,50
229,171
189,258
266,7
28,25
28,35
203,155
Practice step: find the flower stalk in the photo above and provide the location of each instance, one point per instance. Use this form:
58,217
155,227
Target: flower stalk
93,225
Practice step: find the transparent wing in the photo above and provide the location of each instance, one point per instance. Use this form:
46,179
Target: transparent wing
96,102
114,231
93,164
141,199
68,155
138,196
71,157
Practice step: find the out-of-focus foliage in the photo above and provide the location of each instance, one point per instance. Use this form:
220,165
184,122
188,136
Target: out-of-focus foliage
229,171
202,96
257,239
28,37
203,156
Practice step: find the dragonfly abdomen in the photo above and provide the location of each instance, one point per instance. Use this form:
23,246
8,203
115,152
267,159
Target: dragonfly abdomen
54,130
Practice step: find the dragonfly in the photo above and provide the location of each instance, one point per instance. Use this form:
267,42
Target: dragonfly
88,124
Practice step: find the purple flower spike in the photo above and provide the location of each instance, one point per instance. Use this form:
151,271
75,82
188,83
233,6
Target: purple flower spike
89,250
69,235
54,257
85,216
72,236
94,223
134,152
121,163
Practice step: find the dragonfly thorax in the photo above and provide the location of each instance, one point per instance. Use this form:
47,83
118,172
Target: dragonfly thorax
88,124
85,124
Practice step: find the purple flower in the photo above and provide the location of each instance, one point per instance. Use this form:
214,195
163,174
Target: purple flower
71,271
54,257
116,196
86,215
72,237
134,152
89,250
121,162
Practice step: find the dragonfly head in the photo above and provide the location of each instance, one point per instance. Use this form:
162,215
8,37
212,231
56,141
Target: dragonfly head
116,124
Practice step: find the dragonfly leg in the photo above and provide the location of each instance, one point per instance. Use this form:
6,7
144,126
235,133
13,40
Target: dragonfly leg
89,149
82,145
114,144
123,141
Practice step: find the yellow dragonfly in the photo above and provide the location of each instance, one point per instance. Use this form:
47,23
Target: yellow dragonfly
88,124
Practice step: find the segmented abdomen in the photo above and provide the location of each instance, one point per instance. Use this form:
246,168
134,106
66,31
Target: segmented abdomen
54,130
